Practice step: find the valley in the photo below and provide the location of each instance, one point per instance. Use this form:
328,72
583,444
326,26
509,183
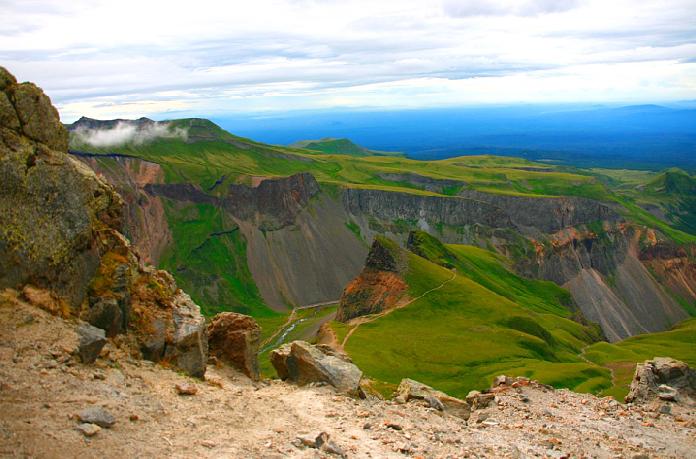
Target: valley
529,268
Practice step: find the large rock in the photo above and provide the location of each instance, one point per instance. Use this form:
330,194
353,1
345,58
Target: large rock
234,338
60,231
662,378
304,363
413,390
190,344
51,206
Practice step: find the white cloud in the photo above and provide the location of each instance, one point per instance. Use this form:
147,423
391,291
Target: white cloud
107,59
126,132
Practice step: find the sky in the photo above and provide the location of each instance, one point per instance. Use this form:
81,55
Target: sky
107,59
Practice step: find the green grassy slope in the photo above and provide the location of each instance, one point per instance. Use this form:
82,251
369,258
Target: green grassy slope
208,260
211,153
461,336
340,147
662,200
678,343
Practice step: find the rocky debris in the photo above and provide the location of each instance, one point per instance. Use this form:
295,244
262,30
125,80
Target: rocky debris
234,338
92,340
322,442
98,416
60,230
88,430
246,419
186,388
303,363
663,378
413,390
478,400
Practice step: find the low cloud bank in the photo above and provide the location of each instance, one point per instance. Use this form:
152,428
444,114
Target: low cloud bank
125,132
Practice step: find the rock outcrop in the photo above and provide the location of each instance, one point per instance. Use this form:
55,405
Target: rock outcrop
60,232
303,363
526,214
665,379
234,338
413,390
380,286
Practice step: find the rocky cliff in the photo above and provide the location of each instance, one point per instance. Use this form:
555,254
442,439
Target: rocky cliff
144,220
608,282
60,232
526,214
380,285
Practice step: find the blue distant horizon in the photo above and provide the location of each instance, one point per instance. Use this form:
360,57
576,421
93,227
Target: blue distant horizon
649,136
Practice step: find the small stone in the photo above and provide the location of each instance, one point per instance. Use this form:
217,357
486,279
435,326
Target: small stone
133,417
367,426
392,425
88,430
98,416
186,389
208,444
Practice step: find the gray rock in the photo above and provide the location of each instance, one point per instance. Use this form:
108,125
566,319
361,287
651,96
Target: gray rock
663,378
304,363
98,416
92,340
190,350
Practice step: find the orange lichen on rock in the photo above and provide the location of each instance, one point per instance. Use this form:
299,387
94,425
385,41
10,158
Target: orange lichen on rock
371,292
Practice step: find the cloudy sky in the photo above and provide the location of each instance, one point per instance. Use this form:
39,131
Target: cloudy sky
132,58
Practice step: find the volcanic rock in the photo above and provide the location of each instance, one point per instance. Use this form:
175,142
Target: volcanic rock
234,338
304,363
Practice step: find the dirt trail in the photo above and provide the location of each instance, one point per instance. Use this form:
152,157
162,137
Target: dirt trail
358,321
42,387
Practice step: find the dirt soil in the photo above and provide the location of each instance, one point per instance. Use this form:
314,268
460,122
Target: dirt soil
42,387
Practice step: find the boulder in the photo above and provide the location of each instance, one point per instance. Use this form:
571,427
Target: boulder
92,340
190,344
303,363
98,416
234,338
662,378
413,390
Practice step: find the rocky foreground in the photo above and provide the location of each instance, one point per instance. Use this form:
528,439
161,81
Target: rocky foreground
55,406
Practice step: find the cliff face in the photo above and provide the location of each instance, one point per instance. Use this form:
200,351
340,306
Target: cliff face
525,214
298,248
60,231
144,220
607,280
